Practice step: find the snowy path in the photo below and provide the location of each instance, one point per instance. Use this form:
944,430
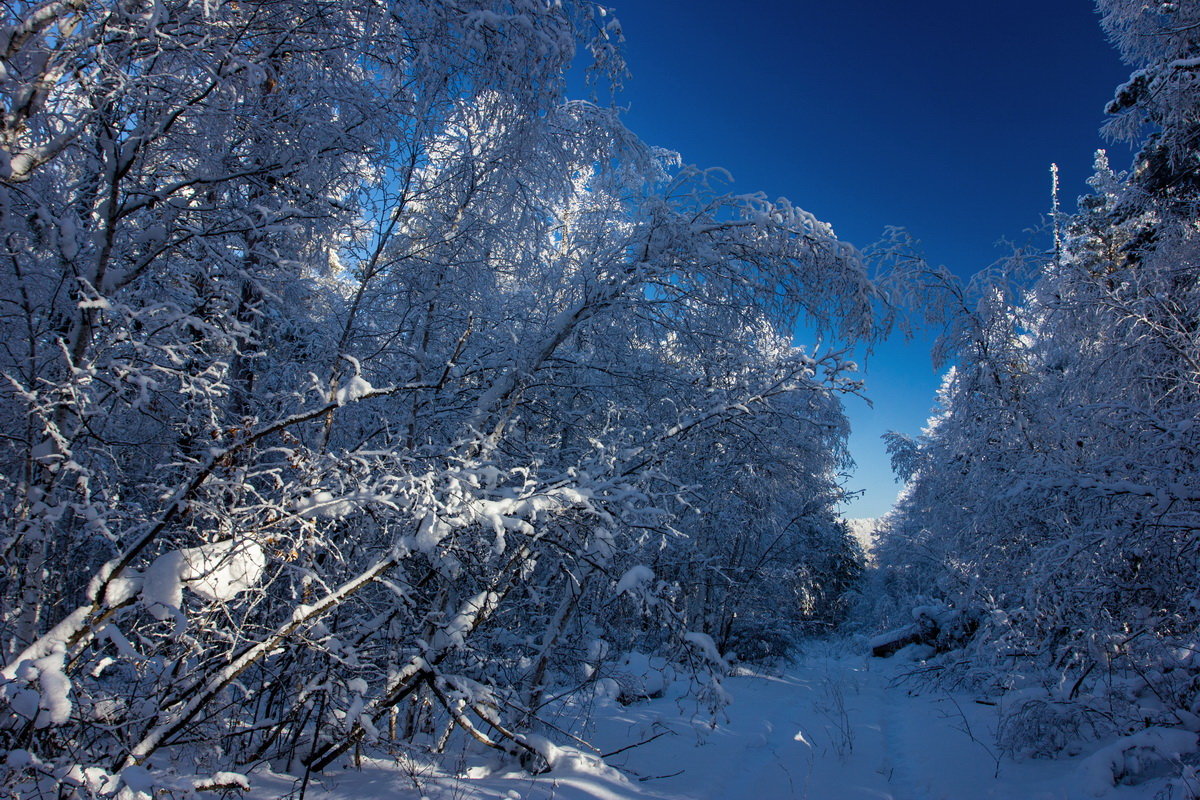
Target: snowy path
829,728
791,736
838,729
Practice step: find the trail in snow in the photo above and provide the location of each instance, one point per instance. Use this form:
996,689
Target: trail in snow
829,728
791,736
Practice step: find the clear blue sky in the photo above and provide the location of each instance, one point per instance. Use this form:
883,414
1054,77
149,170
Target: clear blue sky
941,116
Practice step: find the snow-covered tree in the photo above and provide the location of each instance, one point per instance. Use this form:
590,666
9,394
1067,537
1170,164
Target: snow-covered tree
353,376
1054,499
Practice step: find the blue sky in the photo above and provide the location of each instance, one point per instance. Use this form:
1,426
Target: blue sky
941,116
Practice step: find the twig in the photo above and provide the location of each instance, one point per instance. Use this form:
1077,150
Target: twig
637,744
645,778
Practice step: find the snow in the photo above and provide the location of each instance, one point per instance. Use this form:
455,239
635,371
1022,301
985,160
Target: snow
223,570
455,631
216,572
893,635
1148,752
707,647
639,676
635,578
833,726
162,585
354,389
223,780
865,531
323,504
55,701
121,590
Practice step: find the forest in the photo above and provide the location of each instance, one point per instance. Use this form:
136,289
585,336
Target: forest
364,396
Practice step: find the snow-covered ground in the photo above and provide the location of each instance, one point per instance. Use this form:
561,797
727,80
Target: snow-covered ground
830,727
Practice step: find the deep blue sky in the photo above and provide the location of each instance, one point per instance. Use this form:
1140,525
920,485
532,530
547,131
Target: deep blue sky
941,116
